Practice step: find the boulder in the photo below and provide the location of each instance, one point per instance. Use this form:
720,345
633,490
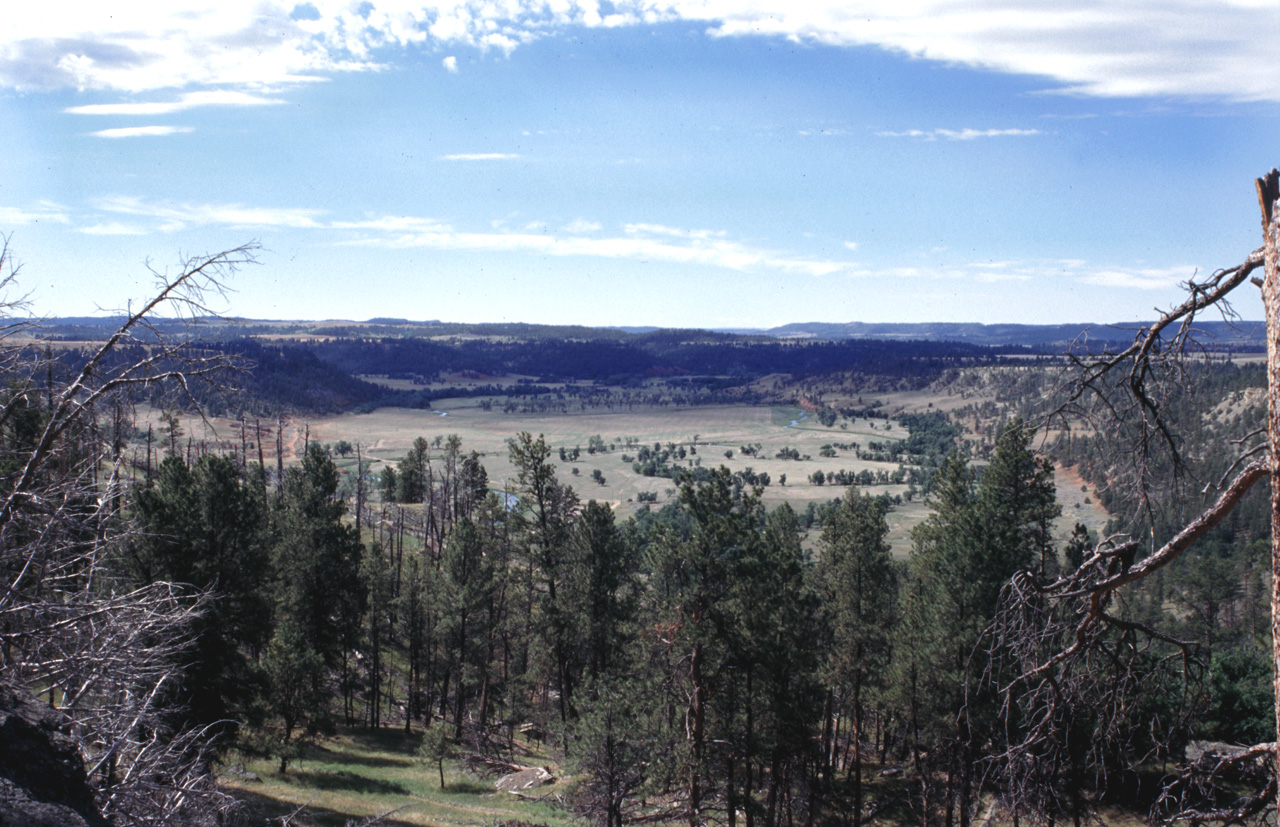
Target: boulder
42,777
526,779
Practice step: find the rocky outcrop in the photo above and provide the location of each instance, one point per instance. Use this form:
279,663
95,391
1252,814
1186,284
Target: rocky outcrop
526,779
42,777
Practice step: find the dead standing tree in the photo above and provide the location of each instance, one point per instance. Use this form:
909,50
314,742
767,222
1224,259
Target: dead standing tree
106,654
1069,666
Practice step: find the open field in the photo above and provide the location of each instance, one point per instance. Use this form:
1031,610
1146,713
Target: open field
386,435
1079,504
360,774
708,433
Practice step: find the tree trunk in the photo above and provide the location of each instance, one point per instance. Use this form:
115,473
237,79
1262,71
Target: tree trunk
856,718
696,711
1268,194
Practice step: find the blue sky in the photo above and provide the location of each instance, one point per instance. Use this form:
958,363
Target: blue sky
665,162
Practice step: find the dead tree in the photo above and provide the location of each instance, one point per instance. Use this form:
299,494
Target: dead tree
107,655
1063,652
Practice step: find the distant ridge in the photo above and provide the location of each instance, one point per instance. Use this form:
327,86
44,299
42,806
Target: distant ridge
1214,333
1210,333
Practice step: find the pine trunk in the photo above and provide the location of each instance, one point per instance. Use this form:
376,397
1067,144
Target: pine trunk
1268,194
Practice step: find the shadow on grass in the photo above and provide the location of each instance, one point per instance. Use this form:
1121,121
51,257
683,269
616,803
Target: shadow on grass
463,786
342,780
263,809
384,740
330,755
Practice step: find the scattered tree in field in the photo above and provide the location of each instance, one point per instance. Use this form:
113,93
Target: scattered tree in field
435,749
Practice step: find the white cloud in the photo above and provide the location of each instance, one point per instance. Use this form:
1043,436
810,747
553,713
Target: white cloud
660,229
851,245
44,211
1145,278
960,134
391,224
140,131
719,253
1073,270
191,100
174,217
112,228
450,64
480,156
1195,48
639,241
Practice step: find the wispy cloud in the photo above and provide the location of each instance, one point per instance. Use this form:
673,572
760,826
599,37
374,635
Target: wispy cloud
1142,278
41,212
191,100
638,241
174,217
450,64
140,131
1204,48
960,134
480,156
688,250
677,232
1074,270
112,228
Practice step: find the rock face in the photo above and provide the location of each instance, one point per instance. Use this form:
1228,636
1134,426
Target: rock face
42,778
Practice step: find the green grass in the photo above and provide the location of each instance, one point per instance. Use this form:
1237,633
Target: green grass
784,415
359,774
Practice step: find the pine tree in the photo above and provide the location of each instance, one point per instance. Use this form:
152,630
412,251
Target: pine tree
468,580
603,585
318,590
376,579
205,526
547,511
695,578
858,584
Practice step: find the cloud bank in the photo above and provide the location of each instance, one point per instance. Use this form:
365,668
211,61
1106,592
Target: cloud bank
1195,48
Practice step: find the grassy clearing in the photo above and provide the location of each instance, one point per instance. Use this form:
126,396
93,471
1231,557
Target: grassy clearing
359,774
386,435
1079,504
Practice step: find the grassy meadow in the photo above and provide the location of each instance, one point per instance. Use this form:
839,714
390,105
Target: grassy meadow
362,774
385,436
712,434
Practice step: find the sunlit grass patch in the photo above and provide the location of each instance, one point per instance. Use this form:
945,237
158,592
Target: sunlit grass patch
360,774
